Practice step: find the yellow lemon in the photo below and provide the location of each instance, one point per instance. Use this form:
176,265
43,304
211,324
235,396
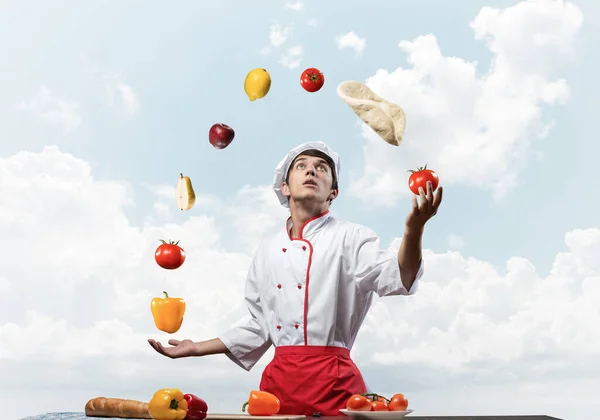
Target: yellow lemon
257,84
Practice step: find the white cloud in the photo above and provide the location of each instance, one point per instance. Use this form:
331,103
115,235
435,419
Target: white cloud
278,34
456,242
58,111
473,129
312,22
352,41
252,213
86,279
86,252
120,94
4,285
472,318
297,6
555,92
293,57
256,214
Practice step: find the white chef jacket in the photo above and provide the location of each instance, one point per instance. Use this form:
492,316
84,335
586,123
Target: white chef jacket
313,290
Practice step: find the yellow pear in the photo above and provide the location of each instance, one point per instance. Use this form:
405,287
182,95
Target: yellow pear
257,83
186,198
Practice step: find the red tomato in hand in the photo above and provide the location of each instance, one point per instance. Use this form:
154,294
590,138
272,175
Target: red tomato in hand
398,403
420,177
169,255
312,80
358,402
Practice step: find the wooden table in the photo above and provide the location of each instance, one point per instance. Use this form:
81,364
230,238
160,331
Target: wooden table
413,417
81,416
408,417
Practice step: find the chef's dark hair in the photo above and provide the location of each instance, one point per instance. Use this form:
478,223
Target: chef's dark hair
318,154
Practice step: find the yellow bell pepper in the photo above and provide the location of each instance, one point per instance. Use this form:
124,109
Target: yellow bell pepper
168,313
168,404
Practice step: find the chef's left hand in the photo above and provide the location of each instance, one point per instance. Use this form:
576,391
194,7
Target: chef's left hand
425,209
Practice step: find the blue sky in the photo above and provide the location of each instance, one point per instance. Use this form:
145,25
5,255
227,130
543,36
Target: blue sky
188,64
131,88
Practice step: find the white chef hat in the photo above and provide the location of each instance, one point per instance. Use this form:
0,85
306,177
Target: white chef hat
282,168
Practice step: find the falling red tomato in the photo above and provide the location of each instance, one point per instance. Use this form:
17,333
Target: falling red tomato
312,79
169,255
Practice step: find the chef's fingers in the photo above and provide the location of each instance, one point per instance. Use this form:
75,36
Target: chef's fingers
415,205
156,346
437,199
429,197
423,205
174,342
170,352
159,348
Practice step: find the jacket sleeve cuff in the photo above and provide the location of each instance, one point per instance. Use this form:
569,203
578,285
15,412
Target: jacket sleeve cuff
243,353
235,356
399,288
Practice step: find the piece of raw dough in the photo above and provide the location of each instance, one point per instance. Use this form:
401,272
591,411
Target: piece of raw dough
386,119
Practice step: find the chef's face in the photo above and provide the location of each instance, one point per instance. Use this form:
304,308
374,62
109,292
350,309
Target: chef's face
310,178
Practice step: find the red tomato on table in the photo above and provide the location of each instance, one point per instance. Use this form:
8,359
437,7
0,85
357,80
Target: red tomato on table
420,177
358,402
169,255
312,79
379,405
398,403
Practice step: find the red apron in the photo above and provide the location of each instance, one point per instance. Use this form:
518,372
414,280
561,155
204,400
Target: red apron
312,379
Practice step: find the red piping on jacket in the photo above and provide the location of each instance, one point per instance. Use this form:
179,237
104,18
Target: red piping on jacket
300,238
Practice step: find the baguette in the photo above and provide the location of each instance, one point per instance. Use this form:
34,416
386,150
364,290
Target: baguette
117,407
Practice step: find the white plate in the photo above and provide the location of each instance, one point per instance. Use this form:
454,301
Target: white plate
377,415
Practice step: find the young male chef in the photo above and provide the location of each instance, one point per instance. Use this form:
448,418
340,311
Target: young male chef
310,287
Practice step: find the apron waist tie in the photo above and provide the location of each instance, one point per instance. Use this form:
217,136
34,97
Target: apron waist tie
312,351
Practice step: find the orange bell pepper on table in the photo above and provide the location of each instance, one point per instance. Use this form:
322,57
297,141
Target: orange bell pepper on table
168,404
261,403
168,313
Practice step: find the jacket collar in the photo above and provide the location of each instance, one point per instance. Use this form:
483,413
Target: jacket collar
310,227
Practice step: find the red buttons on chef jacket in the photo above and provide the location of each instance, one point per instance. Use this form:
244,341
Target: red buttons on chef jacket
304,248
279,327
283,249
279,286
296,325
299,286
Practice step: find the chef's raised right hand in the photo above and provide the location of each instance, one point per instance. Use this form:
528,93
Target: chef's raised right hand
183,348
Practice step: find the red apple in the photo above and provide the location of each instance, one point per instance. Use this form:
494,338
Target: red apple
220,135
